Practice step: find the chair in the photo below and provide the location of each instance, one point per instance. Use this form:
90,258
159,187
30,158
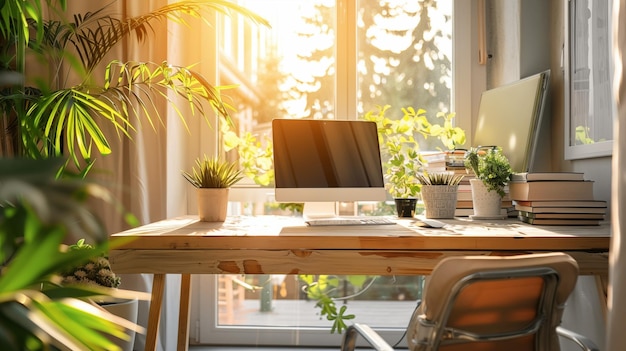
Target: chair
486,303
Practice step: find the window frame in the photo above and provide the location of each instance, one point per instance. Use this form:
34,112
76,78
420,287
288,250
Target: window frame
469,76
572,151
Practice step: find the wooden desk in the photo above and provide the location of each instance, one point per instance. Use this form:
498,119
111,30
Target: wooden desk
285,245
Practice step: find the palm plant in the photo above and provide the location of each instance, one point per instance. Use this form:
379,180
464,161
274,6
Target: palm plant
37,214
57,118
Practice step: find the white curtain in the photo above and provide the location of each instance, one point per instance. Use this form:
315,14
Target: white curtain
616,339
144,172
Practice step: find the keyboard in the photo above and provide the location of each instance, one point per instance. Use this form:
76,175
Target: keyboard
349,221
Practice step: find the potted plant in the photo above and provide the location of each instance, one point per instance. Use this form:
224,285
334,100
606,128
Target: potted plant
493,172
399,143
212,178
96,271
439,193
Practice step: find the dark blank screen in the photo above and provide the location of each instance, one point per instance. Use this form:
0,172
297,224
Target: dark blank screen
326,154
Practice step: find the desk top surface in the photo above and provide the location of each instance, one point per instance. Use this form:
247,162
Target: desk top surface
276,232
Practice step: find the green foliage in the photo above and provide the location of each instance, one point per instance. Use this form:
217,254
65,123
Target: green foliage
399,144
440,178
211,172
256,157
582,136
37,213
325,290
69,117
490,166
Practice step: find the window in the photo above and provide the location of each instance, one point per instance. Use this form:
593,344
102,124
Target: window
328,59
588,73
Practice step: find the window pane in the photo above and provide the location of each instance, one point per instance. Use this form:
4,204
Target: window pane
281,301
403,58
590,73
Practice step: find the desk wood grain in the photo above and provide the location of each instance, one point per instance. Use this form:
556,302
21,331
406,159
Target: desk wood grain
285,245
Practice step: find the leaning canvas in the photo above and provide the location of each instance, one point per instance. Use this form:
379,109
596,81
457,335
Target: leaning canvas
510,117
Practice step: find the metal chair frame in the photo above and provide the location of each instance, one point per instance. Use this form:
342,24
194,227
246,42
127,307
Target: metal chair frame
430,335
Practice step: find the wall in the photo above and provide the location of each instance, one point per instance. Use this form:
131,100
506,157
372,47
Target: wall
598,168
526,37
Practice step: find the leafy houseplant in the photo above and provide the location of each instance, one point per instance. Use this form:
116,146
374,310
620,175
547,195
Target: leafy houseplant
491,166
439,193
399,144
493,172
213,178
96,271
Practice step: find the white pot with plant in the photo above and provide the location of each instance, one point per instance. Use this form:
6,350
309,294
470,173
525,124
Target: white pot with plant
399,145
213,178
493,172
97,272
439,193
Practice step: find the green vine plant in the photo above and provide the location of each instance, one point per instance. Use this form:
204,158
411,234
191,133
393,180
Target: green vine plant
399,145
325,290
256,156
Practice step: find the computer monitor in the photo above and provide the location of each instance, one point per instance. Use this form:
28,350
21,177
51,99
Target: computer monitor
326,161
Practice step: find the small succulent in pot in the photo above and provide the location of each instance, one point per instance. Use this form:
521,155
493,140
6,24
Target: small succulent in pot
211,172
439,178
97,271
213,178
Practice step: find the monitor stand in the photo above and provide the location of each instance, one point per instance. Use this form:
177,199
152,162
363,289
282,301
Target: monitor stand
318,210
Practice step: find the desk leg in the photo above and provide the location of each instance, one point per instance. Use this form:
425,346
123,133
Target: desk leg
154,316
602,283
183,313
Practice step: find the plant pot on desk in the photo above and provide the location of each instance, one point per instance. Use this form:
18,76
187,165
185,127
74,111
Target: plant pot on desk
405,207
487,204
212,204
439,200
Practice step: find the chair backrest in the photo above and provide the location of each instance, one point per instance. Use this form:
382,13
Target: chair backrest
494,303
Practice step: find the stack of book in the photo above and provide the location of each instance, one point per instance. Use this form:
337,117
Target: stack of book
454,161
445,161
556,198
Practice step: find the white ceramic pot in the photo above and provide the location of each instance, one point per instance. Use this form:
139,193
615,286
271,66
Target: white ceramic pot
212,204
487,204
127,309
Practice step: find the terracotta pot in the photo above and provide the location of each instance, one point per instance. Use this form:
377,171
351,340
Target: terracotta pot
439,200
212,204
